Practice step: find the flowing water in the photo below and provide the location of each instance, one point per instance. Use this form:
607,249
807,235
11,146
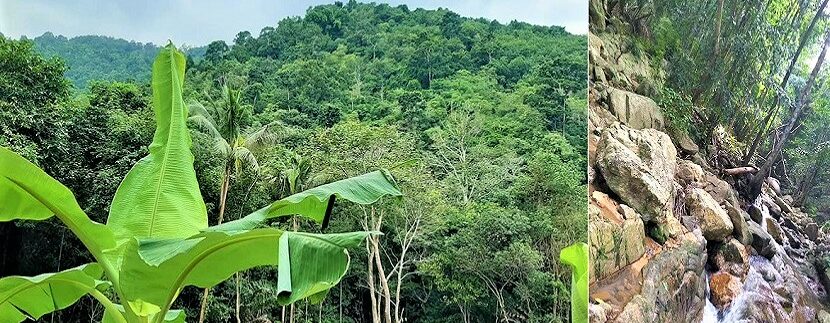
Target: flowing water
750,290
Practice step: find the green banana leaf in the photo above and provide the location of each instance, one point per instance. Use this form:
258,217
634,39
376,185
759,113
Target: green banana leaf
160,197
23,298
576,256
28,193
172,316
317,203
159,269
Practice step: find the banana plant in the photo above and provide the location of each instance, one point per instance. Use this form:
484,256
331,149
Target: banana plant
156,240
576,256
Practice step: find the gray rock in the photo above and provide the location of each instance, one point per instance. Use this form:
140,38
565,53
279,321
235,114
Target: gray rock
714,221
739,225
639,166
636,111
761,240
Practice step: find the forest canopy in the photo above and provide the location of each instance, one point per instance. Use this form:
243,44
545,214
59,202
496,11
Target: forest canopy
481,124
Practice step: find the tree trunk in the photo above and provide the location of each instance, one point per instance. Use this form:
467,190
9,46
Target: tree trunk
223,194
801,105
756,142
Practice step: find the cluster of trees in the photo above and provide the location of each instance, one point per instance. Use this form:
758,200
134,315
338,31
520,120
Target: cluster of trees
754,68
482,125
103,58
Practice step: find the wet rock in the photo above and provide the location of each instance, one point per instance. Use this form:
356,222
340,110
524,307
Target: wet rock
761,240
740,227
688,172
723,288
674,284
774,184
639,166
714,222
811,230
731,257
756,213
616,234
774,230
636,111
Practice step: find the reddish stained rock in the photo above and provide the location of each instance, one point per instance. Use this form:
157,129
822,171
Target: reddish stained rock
723,288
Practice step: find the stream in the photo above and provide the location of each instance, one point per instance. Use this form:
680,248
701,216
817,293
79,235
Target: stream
755,288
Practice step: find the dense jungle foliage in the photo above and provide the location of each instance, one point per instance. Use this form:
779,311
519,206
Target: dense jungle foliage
754,70
482,124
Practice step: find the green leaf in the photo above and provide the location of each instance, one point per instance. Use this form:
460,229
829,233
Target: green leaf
311,264
316,203
160,197
159,269
576,256
28,193
173,316
33,297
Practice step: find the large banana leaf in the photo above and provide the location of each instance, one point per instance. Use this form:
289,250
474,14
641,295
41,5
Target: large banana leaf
160,197
309,264
173,316
317,203
33,297
27,192
576,256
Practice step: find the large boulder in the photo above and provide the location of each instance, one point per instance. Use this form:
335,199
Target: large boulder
724,288
639,166
616,234
636,111
714,221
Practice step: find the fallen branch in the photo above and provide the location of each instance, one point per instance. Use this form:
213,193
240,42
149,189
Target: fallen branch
740,170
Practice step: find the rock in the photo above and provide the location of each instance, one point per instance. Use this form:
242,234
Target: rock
636,111
755,213
811,230
761,240
774,230
674,278
740,227
723,288
774,184
731,257
684,142
787,199
714,222
639,166
616,235
720,190
598,313
596,13
688,172
823,317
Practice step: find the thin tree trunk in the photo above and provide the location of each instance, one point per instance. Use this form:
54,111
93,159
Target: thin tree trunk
371,282
756,142
223,193
801,104
238,319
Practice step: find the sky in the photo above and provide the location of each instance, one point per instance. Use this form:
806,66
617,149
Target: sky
198,22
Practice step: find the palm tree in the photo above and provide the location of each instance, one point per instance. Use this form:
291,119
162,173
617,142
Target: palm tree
222,120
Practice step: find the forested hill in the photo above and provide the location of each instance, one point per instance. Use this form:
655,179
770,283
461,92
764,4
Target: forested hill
374,60
102,58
